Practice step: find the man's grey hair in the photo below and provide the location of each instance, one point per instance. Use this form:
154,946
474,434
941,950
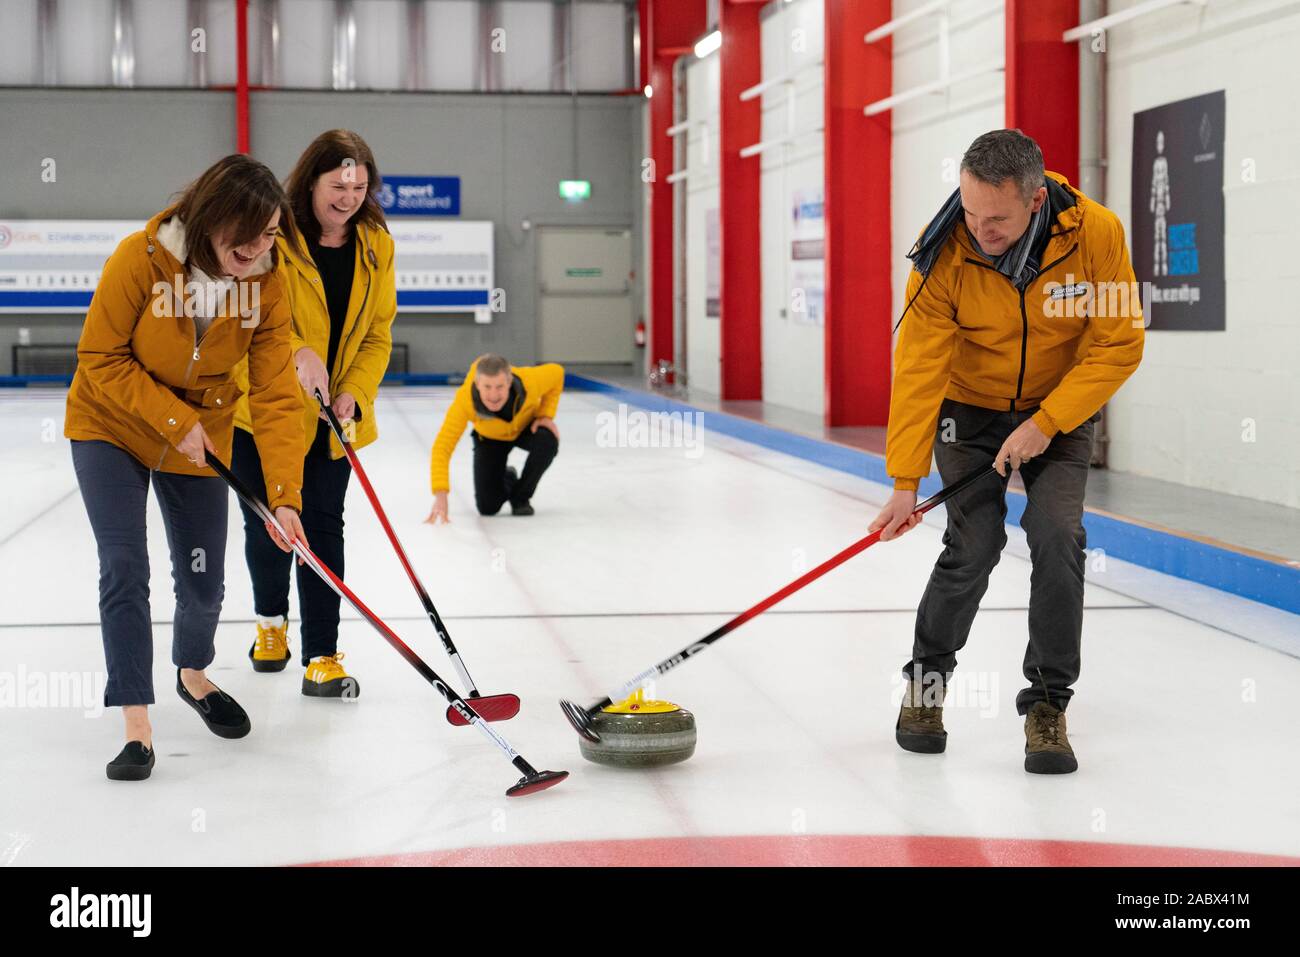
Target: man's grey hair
1002,155
491,364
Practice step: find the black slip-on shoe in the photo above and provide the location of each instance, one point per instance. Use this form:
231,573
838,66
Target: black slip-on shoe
135,763
220,712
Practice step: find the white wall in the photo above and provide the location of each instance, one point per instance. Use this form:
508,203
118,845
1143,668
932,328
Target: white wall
19,60
703,334
306,44
528,56
932,133
162,43
381,44
599,49
451,42
1180,417
84,44
794,367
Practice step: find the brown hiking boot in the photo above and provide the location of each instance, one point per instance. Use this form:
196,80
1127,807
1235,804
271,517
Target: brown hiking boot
1047,749
920,720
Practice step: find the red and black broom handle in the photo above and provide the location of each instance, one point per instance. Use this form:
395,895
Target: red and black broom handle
532,777
580,718
431,611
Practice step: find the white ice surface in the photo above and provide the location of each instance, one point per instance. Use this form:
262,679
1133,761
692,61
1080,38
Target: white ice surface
1184,729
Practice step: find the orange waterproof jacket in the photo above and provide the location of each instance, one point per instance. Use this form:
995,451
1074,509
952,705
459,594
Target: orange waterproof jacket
1065,344
143,378
365,343
535,394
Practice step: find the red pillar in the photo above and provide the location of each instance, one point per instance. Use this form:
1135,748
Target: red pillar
668,29
660,342
646,42
1042,79
741,125
241,76
858,274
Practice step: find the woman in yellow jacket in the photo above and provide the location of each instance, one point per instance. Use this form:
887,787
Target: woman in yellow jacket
343,296
178,305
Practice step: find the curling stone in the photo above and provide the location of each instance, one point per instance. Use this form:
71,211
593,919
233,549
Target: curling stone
637,733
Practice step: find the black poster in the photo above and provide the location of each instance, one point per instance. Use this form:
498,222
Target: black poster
1177,236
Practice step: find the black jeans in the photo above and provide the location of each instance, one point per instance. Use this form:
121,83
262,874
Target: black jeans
967,439
115,487
324,487
490,468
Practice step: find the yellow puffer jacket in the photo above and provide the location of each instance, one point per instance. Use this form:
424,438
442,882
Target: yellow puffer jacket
366,340
540,387
144,379
970,335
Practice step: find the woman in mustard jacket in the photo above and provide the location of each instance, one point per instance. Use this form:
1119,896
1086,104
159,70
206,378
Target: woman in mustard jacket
343,297
179,304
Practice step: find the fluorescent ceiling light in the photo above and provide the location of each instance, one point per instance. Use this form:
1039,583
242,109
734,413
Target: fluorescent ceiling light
709,44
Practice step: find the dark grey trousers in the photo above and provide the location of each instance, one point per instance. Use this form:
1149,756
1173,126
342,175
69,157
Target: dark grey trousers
115,487
966,439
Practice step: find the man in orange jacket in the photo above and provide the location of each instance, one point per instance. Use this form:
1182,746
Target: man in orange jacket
1023,318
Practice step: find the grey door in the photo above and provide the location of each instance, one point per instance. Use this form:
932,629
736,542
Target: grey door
585,294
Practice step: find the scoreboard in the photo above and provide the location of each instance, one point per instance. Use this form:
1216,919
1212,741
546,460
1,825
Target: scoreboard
53,266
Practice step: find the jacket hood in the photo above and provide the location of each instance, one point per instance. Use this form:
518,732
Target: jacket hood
1064,200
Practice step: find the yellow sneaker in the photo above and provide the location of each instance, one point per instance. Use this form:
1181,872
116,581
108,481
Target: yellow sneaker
325,678
270,652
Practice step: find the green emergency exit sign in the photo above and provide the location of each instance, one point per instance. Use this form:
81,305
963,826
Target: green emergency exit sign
575,190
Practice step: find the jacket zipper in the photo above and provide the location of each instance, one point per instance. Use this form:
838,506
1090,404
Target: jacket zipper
1024,316
1024,347
194,357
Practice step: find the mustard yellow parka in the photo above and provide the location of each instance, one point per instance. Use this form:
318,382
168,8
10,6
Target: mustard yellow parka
144,378
366,340
1066,344
536,395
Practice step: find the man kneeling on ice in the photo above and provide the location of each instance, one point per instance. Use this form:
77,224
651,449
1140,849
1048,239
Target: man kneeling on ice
510,408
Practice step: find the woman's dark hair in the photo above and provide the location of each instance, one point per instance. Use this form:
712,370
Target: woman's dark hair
234,199
328,152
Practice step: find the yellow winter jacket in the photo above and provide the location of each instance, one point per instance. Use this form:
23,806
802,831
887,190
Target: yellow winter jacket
1066,344
536,394
144,378
366,340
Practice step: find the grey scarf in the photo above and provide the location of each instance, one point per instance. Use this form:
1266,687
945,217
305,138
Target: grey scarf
1019,263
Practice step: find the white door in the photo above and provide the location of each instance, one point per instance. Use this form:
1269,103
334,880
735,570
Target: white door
585,295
